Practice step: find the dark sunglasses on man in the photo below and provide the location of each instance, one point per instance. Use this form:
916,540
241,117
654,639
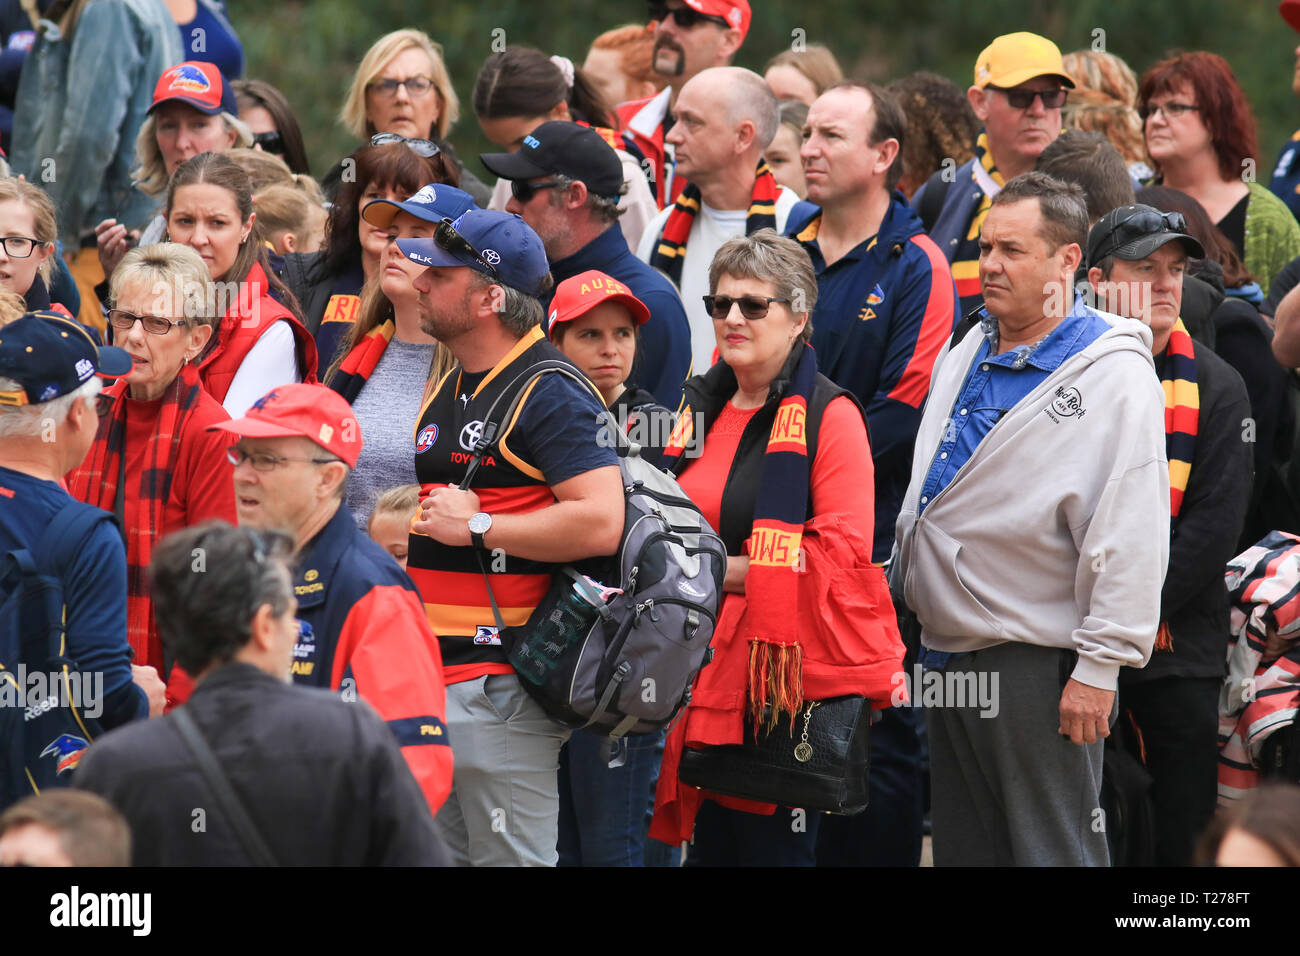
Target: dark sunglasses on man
524,191
752,307
1023,99
684,16
421,147
449,240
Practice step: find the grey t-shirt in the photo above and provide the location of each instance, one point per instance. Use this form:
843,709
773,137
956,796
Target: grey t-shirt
386,410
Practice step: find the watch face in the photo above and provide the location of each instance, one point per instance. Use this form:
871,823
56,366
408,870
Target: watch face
479,523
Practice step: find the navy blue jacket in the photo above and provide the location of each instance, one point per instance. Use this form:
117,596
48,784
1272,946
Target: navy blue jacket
663,351
884,311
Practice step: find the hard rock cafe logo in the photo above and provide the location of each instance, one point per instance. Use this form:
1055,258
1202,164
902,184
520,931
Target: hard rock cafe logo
1066,403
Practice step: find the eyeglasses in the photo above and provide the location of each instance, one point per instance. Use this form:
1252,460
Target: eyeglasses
1024,99
1139,224
684,17
104,405
264,462
415,85
449,240
751,306
1171,110
524,191
19,247
271,142
421,147
123,320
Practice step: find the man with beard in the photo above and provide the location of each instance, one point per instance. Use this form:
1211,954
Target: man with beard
548,492
690,36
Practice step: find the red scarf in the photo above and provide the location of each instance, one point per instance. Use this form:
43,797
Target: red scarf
96,481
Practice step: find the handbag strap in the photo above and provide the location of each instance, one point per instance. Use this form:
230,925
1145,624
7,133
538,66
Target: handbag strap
231,806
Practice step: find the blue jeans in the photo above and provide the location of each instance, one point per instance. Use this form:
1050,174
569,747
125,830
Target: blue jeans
604,812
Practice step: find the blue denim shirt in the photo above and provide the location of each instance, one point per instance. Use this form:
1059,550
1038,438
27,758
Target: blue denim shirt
81,103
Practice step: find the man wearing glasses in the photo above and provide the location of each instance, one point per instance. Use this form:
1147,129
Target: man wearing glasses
690,36
1136,260
548,492
361,628
1019,90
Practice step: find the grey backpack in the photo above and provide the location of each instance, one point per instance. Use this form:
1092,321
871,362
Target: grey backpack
619,655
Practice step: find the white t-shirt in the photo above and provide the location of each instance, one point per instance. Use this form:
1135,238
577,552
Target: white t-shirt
272,361
711,228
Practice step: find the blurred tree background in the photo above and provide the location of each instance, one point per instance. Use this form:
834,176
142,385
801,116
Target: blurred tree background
310,48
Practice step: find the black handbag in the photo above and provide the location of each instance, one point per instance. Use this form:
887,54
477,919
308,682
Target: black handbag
820,764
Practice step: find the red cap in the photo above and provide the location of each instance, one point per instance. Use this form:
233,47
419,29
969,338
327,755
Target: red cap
1290,10
735,12
580,294
197,84
307,411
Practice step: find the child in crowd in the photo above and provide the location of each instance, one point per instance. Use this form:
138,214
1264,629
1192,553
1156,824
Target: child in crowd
390,522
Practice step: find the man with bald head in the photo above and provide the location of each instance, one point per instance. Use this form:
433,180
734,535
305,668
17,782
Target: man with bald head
726,117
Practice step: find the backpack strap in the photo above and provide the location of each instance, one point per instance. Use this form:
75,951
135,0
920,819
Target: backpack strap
232,808
936,191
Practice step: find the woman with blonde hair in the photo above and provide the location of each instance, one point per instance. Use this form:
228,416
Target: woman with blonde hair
27,234
803,75
1104,100
402,86
292,217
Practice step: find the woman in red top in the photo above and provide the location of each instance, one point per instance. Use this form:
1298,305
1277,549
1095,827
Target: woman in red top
260,341
153,463
776,457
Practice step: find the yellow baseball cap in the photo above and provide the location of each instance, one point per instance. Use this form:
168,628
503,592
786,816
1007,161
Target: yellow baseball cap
1016,57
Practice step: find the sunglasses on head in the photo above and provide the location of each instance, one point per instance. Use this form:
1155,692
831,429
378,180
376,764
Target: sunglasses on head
1023,99
271,142
524,191
684,17
1141,224
449,240
421,147
751,306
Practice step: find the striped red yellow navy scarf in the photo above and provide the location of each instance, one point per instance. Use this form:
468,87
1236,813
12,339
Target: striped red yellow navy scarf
1182,420
95,482
965,260
671,251
360,362
776,536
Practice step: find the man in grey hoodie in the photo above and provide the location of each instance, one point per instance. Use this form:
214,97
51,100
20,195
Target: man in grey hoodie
1032,542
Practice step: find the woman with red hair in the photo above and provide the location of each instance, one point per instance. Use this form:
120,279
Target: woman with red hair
1200,134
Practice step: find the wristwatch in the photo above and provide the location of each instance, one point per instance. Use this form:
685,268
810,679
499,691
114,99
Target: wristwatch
479,524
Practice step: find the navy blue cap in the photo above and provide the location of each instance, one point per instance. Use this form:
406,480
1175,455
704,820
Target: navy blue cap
505,242
50,355
433,203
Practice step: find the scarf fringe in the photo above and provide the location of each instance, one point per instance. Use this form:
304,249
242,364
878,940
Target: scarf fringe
775,684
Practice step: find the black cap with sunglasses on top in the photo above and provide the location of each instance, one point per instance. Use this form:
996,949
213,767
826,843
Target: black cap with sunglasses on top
49,356
1134,232
568,149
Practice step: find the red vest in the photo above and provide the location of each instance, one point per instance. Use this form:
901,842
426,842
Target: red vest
250,315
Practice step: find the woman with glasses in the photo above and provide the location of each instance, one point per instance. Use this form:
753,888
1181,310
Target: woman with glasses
153,462
28,229
1201,136
328,282
521,88
260,341
271,120
731,452
402,86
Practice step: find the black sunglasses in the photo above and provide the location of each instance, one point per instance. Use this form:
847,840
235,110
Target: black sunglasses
421,147
524,191
271,142
751,306
449,240
1023,99
684,17
1134,227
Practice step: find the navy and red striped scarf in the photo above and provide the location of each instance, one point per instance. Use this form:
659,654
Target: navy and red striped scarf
96,482
360,362
775,543
671,251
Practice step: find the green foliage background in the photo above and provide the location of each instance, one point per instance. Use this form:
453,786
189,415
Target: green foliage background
310,48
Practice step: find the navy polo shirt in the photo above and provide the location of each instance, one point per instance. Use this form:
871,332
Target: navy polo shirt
1286,175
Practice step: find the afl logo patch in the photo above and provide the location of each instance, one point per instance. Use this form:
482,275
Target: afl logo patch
424,441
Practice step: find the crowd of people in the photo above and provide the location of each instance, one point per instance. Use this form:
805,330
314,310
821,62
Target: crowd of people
1024,348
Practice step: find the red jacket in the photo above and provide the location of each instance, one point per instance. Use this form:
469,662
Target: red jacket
250,315
642,121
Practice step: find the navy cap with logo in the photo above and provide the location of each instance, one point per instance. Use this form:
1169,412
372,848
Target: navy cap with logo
49,356
569,149
500,245
1134,232
433,203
